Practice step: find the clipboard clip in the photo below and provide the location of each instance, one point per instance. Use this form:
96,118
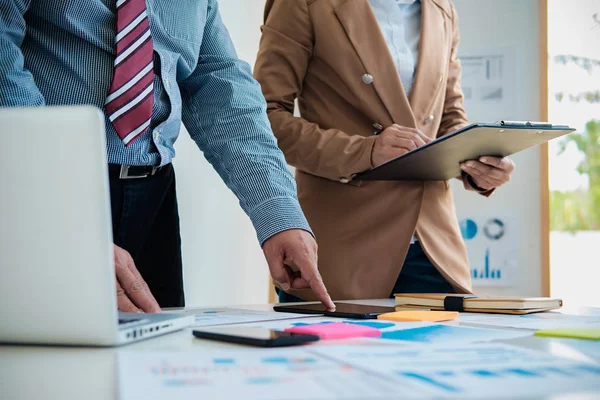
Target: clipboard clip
528,124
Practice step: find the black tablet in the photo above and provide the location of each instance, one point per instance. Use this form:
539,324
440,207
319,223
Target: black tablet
342,310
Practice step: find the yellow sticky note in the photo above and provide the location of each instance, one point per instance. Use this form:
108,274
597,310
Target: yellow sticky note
574,333
418,316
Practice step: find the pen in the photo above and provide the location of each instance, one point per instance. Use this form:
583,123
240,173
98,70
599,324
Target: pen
378,128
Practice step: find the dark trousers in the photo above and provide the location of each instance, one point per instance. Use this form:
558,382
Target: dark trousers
418,275
145,222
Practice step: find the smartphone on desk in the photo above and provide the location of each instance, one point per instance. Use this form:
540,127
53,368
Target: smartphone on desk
260,337
342,310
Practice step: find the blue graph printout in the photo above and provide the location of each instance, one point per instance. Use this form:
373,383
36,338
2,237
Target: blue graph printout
492,242
413,332
546,320
266,374
231,316
473,371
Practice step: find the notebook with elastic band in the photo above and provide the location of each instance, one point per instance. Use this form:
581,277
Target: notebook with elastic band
473,303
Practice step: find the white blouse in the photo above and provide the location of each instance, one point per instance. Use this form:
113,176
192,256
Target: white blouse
400,23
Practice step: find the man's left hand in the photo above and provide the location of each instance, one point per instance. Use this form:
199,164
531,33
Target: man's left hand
296,247
489,172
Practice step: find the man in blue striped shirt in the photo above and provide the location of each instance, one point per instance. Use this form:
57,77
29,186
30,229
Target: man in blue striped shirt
151,65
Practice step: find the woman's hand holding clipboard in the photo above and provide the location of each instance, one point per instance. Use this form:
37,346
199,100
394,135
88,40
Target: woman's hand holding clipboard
441,159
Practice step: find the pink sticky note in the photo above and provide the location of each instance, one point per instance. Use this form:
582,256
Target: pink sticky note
337,330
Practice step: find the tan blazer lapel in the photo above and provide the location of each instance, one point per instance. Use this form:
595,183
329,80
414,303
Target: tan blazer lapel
433,57
362,28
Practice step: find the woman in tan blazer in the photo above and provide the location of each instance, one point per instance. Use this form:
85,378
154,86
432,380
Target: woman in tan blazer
358,67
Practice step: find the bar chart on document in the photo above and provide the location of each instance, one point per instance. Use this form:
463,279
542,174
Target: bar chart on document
231,316
483,369
260,374
409,332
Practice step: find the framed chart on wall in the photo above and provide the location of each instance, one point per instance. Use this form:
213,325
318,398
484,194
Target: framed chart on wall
493,247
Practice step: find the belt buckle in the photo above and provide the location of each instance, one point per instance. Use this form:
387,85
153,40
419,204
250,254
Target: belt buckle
124,173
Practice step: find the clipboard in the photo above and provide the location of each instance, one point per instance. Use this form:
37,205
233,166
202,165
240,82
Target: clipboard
440,159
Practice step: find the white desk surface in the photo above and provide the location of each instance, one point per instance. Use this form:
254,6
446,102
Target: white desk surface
42,372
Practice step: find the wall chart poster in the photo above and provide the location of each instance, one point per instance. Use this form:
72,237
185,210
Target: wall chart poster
493,247
488,78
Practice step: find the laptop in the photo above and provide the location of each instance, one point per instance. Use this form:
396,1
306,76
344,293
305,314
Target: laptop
57,279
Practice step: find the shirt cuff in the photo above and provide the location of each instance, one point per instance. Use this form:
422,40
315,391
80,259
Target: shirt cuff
277,215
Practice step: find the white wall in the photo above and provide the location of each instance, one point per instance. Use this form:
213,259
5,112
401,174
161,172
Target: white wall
223,263
510,24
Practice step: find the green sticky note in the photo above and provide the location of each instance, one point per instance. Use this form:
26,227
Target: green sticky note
574,333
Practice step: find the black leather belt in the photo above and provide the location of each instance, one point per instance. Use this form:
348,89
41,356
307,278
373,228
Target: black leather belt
118,171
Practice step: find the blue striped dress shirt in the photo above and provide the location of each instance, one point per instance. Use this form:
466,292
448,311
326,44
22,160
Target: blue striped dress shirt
61,52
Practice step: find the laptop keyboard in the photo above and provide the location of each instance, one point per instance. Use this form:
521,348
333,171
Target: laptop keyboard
128,321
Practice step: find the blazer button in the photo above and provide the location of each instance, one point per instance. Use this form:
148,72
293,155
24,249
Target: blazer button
367,78
428,120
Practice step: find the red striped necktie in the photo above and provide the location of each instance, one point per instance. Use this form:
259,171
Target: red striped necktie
131,95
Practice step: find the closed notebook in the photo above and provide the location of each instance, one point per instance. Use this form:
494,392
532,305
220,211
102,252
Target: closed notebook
473,303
